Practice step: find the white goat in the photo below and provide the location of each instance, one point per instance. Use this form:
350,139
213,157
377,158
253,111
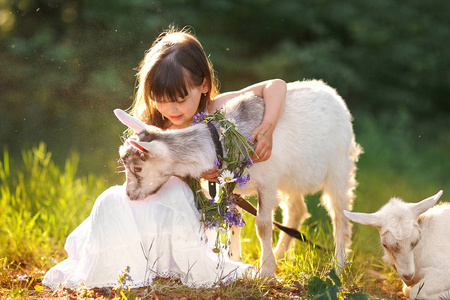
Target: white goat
313,148
416,241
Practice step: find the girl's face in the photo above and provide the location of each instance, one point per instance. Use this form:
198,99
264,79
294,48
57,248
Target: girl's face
181,113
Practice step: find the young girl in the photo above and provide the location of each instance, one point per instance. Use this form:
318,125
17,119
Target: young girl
162,234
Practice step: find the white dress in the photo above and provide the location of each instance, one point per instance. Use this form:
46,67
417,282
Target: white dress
158,236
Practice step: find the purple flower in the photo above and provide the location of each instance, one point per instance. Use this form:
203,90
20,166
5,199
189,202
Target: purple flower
199,118
243,179
233,217
247,162
216,162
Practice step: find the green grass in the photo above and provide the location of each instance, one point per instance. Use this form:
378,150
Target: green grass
41,203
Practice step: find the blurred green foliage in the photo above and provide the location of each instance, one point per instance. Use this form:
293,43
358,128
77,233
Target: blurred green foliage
65,65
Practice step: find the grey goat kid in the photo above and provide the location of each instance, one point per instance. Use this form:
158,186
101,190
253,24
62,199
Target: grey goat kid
314,149
416,241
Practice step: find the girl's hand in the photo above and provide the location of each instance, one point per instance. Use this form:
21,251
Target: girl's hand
211,175
262,135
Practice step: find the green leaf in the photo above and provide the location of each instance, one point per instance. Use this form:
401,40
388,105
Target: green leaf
315,286
331,293
335,277
359,296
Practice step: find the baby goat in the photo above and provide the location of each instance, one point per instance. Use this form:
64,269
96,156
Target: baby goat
416,241
313,149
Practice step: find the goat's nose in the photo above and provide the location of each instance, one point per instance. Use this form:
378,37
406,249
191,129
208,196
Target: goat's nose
408,277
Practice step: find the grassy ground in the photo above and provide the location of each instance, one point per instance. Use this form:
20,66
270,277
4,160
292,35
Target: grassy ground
41,203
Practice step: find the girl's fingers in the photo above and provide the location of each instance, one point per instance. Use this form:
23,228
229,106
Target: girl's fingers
263,150
211,175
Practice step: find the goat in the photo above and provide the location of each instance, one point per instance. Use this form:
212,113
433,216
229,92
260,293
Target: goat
314,148
416,241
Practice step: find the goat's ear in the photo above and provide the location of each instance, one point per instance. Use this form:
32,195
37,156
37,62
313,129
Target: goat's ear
130,121
152,148
422,206
363,218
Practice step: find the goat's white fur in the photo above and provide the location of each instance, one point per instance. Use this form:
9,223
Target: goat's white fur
416,241
313,149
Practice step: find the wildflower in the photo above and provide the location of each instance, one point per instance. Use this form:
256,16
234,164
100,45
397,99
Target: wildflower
222,133
22,277
222,213
226,177
249,161
243,179
233,217
199,118
231,122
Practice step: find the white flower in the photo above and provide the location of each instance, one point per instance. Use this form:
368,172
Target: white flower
226,177
227,125
222,133
232,120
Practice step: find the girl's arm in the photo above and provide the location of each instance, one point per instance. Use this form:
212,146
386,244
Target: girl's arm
274,94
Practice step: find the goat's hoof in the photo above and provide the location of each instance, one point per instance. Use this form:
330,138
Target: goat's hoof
267,273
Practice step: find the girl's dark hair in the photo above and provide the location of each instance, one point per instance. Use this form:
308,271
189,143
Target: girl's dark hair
175,62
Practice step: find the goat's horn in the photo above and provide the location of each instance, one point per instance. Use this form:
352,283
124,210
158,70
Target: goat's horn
130,121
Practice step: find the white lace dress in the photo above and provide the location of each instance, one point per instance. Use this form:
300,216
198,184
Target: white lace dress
158,236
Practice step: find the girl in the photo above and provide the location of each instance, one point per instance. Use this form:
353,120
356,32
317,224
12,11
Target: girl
176,81
162,235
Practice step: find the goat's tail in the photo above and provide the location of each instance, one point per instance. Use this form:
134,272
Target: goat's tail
354,152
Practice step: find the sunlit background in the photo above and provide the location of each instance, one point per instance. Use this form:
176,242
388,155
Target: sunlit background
65,65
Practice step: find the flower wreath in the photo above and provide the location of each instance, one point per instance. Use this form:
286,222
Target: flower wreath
221,213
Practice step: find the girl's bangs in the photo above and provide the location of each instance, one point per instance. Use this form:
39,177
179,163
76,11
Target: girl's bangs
168,83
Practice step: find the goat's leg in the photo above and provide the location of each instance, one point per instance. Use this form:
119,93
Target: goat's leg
336,204
337,197
434,285
267,201
294,213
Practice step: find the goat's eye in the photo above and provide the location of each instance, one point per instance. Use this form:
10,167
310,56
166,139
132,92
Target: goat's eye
137,169
384,246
